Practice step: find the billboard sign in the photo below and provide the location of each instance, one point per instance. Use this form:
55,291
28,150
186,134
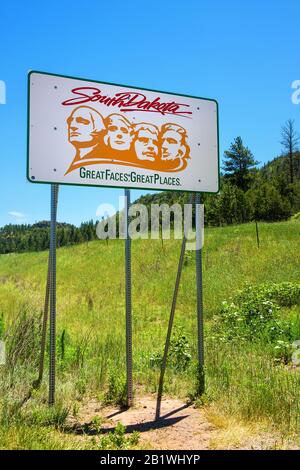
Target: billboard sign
83,132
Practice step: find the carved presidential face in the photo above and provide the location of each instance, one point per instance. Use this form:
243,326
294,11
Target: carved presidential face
119,134
171,146
146,145
83,127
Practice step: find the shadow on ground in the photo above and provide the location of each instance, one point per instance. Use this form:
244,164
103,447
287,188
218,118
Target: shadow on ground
163,422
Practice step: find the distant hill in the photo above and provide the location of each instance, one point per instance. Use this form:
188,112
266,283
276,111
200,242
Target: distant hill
36,237
46,224
280,166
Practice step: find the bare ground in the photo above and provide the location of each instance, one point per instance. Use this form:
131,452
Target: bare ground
179,427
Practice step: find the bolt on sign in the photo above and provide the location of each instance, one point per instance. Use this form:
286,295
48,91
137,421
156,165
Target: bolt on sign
83,132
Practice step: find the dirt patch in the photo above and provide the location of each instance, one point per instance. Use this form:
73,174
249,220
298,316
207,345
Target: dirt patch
180,427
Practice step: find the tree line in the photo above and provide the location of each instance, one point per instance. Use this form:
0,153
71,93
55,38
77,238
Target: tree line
36,237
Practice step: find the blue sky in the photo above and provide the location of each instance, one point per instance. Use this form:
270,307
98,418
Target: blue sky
244,54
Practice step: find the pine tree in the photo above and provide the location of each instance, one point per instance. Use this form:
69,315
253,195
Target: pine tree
290,141
239,164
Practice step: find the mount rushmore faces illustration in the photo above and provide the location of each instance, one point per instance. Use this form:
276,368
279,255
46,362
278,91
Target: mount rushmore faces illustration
116,140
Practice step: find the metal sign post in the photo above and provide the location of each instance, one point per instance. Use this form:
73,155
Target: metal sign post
170,325
128,301
52,258
201,383
257,235
38,382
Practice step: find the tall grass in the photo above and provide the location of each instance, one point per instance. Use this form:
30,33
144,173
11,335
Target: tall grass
244,382
242,379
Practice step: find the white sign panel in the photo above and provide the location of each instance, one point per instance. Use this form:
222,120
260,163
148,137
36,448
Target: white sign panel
92,133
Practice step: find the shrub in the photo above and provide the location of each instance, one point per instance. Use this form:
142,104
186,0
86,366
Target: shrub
116,393
118,440
255,314
284,294
283,351
179,355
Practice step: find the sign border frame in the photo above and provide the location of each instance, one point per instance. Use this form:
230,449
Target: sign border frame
125,86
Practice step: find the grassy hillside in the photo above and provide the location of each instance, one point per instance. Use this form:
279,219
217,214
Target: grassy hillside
243,380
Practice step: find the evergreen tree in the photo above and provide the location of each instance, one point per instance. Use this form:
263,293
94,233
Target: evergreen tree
239,164
290,141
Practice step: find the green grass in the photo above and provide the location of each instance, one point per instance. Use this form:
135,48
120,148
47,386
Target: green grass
242,380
